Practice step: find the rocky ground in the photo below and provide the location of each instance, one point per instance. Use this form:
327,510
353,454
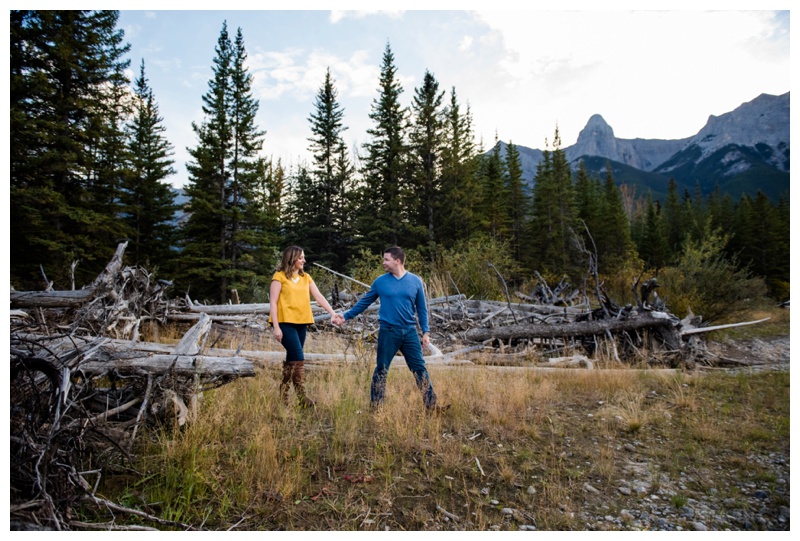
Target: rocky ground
718,500
728,492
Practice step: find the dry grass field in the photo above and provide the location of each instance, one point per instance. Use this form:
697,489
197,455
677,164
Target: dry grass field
519,448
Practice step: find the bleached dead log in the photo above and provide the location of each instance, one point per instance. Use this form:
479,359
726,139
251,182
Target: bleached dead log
214,317
340,274
105,280
51,299
574,360
229,309
190,343
699,330
228,367
493,314
653,320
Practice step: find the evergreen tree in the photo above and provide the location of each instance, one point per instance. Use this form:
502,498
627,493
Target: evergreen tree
553,225
382,197
426,155
206,248
325,216
67,72
459,192
222,237
588,201
517,203
767,255
494,195
305,214
148,202
246,141
674,220
652,241
614,244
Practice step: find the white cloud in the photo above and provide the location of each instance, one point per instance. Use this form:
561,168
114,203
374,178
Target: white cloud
299,74
465,44
656,70
338,15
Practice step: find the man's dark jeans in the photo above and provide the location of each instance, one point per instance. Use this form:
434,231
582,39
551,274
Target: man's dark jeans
392,339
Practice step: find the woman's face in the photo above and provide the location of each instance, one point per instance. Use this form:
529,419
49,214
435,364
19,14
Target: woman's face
300,262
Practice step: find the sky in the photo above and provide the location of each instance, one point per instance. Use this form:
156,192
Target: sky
655,74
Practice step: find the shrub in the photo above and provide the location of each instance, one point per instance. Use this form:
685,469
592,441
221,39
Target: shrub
467,265
707,282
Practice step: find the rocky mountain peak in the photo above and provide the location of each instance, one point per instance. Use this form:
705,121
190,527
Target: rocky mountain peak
596,139
763,120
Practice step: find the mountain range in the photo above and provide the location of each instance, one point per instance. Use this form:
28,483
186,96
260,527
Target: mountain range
740,152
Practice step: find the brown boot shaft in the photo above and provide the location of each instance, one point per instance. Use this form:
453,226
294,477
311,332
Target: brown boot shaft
298,376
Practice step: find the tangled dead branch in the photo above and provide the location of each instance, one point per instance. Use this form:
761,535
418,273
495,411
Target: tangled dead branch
82,386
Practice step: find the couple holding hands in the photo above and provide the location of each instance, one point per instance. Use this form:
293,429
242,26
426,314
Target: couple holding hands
402,298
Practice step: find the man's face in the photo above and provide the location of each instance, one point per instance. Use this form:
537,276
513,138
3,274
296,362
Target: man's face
390,264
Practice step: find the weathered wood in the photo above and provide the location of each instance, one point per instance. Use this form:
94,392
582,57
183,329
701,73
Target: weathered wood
584,328
106,278
699,330
178,364
51,299
190,343
216,318
231,309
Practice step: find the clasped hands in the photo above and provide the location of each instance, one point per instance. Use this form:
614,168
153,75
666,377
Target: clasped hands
337,319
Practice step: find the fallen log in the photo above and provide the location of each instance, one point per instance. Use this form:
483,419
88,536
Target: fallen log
51,299
71,298
225,367
228,309
699,330
653,320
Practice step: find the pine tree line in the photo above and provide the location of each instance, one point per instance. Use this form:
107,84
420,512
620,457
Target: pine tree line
90,164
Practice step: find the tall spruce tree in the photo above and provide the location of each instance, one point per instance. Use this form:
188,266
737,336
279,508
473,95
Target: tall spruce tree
245,219
67,75
381,218
553,225
650,238
220,239
148,203
614,244
205,235
518,201
323,200
588,201
674,220
459,190
426,155
494,195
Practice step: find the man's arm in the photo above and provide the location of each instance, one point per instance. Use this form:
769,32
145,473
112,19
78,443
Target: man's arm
422,308
422,314
362,304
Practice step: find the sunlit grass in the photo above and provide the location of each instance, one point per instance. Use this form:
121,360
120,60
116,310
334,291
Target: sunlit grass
248,460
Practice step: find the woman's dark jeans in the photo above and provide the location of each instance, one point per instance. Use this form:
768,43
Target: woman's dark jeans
294,337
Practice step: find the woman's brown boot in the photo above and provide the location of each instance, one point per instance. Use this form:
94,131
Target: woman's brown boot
285,382
298,375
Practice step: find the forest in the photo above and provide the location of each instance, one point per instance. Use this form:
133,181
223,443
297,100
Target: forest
91,165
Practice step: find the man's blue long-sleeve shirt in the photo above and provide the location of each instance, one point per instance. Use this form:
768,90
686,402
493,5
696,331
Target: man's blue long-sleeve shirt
400,299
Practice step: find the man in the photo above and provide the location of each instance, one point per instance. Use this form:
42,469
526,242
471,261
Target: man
402,298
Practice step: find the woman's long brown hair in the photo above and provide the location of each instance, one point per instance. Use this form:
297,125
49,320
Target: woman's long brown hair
288,259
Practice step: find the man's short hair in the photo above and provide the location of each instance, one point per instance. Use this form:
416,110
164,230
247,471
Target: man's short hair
397,253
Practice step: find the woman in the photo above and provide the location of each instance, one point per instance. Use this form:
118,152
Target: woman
290,314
